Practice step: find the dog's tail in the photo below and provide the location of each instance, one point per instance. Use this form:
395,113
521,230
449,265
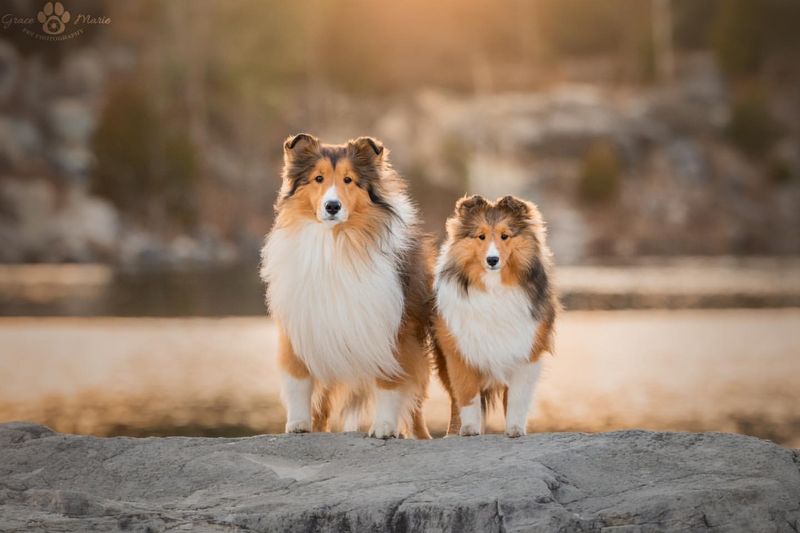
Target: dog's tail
491,397
321,410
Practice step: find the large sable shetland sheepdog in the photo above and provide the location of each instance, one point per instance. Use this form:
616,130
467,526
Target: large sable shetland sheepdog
496,309
349,283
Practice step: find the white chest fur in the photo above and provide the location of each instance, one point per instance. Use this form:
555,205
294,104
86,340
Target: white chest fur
341,311
494,328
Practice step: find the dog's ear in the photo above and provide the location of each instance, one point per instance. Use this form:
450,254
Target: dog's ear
523,212
366,150
300,144
514,206
470,204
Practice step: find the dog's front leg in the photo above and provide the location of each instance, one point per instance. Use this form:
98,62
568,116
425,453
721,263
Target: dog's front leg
298,386
465,385
520,393
388,405
297,398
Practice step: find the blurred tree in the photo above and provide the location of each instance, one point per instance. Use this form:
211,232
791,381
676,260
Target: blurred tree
692,22
125,147
663,52
143,165
581,27
780,171
616,29
180,174
738,36
600,177
752,128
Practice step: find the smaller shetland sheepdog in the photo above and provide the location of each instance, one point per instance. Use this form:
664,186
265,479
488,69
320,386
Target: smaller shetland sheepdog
496,309
349,284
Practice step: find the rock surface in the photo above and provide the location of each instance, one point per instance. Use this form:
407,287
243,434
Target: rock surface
623,481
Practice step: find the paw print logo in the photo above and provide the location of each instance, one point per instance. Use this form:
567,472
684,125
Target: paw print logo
54,18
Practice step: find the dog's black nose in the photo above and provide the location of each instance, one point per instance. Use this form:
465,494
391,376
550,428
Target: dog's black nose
492,260
333,206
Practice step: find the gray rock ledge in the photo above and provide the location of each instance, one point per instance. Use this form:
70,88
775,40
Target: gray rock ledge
622,481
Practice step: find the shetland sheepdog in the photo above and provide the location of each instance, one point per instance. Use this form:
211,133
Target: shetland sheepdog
349,283
495,310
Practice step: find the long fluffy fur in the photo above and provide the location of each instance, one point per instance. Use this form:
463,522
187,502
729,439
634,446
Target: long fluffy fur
490,323
354,300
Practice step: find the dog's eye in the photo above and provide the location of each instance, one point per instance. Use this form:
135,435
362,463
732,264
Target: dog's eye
504,236
348,179
482,237
319,179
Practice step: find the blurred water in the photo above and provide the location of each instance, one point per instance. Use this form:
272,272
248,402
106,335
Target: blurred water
236,290
725,370
233,290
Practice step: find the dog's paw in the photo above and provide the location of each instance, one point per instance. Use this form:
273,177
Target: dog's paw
468,430
515,431
383,430
298,426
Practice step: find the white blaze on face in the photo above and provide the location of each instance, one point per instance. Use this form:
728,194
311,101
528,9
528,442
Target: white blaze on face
331,195
492,251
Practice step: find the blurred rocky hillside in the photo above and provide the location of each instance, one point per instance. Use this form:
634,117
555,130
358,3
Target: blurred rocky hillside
156,140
